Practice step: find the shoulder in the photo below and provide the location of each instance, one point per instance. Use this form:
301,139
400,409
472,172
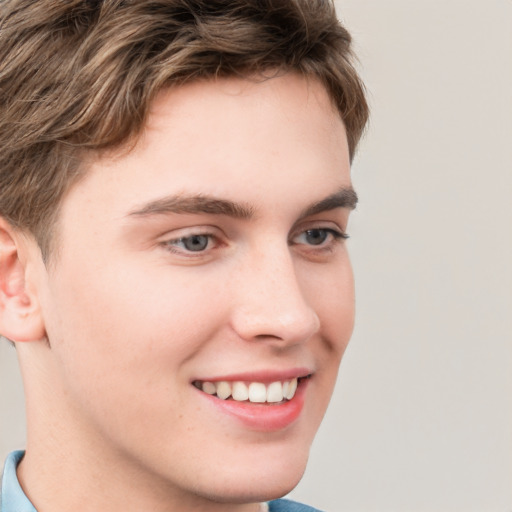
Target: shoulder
289,506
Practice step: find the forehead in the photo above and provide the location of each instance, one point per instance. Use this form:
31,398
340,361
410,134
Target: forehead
243,93
214,137
224,113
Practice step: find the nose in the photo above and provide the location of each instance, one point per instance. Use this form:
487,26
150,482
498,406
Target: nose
270,303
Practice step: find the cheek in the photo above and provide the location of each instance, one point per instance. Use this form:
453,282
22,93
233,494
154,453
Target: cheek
336,310
129,303
118,320
342,312
331,292
121,337
334,304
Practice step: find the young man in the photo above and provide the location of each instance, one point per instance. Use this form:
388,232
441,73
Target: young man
174,197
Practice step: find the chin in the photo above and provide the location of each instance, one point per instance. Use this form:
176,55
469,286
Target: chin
270,477
256,490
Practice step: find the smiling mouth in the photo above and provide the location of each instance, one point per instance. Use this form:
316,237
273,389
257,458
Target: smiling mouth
276,392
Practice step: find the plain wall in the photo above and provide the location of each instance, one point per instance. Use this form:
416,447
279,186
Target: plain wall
422,416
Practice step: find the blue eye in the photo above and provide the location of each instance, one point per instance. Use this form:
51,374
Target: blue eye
319,237
193,243
316,236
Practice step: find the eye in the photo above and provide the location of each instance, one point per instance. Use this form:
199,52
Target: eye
315,236
319,237
193,243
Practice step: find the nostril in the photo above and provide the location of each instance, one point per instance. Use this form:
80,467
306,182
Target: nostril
265,336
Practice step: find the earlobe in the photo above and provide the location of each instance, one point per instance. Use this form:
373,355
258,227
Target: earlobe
20,316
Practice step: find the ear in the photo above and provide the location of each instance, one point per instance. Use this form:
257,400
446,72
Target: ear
20,315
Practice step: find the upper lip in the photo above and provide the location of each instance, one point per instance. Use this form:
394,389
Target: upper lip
259,376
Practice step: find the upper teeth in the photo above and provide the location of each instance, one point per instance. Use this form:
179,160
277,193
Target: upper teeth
256,392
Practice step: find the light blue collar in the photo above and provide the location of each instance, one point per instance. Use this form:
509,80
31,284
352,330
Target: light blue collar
13,499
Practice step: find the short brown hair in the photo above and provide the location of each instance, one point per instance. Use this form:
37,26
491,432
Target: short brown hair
79,75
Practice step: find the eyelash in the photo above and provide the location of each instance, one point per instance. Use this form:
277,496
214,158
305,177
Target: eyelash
336,236
172,245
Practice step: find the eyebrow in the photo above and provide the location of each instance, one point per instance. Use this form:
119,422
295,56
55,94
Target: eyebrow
193,205
344,198
197,204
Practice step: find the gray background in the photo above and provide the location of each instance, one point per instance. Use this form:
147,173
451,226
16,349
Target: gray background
422,416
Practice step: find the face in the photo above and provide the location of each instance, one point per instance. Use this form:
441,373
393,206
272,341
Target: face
200,278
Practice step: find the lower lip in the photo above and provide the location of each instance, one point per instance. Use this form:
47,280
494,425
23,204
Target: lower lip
263,417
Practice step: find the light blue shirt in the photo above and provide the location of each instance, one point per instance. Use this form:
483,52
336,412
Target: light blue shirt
13,499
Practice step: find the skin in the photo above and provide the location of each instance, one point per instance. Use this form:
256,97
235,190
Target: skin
125,317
